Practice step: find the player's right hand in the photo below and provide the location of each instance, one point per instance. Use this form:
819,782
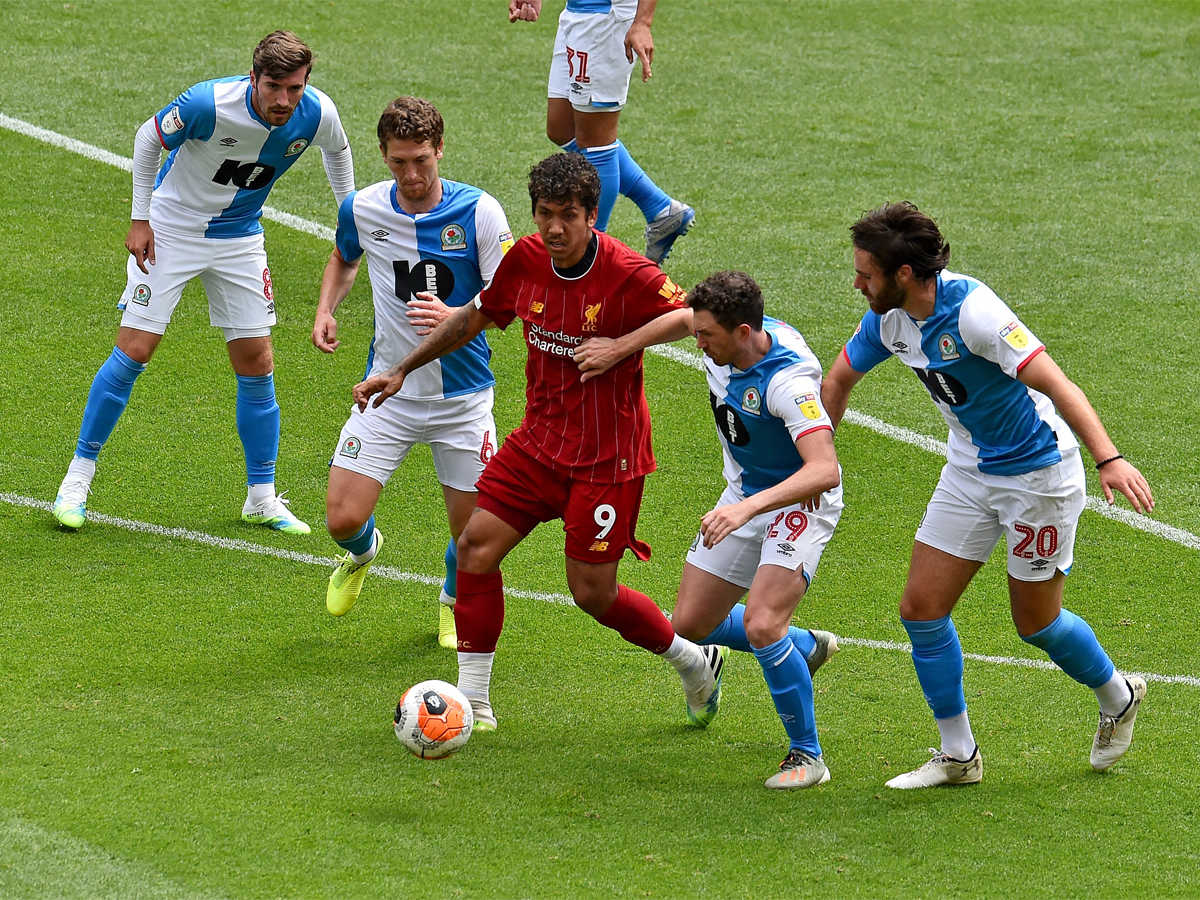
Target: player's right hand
140,243
640,42
324,335
524,10
383,384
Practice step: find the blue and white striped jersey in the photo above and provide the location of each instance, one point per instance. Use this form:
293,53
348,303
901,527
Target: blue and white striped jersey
451,251
762,411
224,158
968,354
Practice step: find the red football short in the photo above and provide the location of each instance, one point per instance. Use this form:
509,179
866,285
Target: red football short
599,519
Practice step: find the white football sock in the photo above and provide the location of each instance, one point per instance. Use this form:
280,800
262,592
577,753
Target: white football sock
957,740
372,551
260,493
685,656
82,467
475,674
1114,695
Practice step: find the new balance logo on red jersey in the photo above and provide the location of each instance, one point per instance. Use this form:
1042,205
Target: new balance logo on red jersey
598,547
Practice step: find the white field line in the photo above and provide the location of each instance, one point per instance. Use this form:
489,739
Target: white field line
393,574
44,863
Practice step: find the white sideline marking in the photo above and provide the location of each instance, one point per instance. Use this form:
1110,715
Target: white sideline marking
904,435
394,574
211,540
44,863
1019,661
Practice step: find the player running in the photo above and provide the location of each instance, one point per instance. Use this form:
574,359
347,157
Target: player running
430,244
594,53
782,498
582,451
229,140
1013,469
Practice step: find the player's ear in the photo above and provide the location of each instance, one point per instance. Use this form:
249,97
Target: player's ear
440,148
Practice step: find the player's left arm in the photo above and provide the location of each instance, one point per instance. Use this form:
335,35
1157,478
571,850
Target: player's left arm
1043,374
597,355
639,41
335,150
819,473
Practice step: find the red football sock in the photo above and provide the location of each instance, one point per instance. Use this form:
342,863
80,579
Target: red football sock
638,619
479,611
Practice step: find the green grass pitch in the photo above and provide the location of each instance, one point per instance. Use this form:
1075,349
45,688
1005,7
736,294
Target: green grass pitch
179,717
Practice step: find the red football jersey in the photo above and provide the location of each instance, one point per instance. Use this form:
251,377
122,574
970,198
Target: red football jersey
597,430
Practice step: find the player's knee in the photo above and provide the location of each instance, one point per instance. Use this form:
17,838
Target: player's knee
763,629
343,523
474,552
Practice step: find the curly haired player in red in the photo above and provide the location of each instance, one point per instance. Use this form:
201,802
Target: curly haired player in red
582,451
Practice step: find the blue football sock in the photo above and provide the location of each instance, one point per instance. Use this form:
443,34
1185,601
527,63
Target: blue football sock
732,634
360,542
609,169
450,585
258,426
638,186
937,657
571,146
106,400
790,684
1072,644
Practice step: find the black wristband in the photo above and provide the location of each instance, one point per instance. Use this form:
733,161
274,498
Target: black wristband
1105,462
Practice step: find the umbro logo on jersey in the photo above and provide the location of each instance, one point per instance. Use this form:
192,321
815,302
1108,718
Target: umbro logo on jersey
379,234
900,345
785,549
228,141
296,146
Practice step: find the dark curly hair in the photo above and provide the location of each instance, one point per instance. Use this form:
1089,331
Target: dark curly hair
733,298
898,234
564,177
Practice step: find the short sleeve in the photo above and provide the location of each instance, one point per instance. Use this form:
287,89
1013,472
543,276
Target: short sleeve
190,116
794,397
865,349
330,136
991,330
346,239
492,235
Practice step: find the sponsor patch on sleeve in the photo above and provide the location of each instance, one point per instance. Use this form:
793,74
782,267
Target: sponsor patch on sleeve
506,242
673,292
171,121
1015,335
809,406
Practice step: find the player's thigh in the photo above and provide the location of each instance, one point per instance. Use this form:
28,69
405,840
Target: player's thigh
375,441
600,521
461,432
238,284
593,585
485,541
960,518
702,602
591,49
560,120
150,297
1040,514
350,498
519,490
936,580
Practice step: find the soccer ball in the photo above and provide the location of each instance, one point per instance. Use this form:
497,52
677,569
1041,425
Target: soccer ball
433,719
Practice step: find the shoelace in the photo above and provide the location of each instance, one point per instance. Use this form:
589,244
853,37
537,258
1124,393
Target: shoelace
1107,725
75,492
795,759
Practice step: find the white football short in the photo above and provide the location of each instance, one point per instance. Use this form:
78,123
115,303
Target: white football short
1038,512
589,67
234,274
791,537
460,431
